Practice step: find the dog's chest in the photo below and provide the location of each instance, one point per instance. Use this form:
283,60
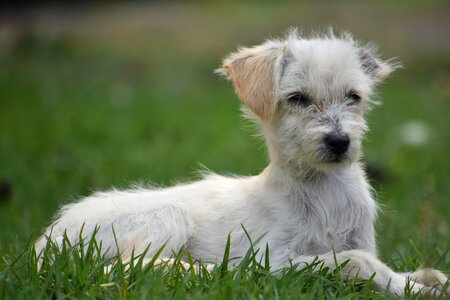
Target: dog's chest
324,222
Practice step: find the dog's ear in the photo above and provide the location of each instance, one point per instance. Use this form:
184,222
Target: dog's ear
253,73
375,67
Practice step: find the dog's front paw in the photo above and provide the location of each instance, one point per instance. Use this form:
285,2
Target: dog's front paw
431,278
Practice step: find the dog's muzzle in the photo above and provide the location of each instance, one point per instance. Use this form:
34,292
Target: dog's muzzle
337,144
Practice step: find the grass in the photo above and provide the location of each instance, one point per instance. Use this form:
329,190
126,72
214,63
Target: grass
81,114
68,272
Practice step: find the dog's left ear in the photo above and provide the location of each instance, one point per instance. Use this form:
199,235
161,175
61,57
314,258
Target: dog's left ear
375,67
253,73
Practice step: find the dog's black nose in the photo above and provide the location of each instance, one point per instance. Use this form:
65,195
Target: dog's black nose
337,143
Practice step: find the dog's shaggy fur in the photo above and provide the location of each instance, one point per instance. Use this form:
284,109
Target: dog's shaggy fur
309,97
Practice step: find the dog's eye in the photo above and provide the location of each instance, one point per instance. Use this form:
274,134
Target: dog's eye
352,95
299,99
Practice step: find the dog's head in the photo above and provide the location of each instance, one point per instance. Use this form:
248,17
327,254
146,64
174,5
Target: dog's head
310,95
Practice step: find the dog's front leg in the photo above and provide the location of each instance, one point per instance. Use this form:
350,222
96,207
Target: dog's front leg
362,265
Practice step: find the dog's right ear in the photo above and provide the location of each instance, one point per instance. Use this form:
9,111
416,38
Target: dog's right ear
253,73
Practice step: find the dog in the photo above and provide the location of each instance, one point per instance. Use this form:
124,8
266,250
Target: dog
313,201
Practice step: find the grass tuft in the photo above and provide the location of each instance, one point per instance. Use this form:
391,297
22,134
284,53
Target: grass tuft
81,270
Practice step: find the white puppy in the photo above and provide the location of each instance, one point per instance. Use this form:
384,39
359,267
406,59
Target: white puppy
309,97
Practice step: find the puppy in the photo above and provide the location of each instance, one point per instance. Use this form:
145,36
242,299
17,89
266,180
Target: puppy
309,97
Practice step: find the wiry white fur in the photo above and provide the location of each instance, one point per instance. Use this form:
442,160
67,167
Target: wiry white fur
303,204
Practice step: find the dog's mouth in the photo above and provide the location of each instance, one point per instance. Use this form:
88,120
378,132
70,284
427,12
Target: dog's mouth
335,159
332,159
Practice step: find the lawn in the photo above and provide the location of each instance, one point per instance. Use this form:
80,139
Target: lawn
100,97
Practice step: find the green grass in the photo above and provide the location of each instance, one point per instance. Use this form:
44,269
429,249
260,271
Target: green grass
68,272
80,114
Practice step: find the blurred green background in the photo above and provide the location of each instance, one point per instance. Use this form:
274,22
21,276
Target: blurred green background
96,96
